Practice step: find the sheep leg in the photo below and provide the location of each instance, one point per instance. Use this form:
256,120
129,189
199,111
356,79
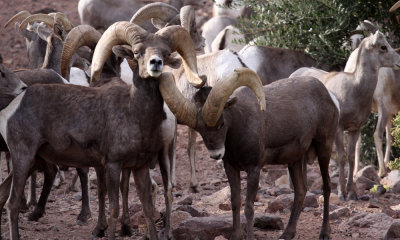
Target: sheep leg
341,159
113,172
21,173
192,154
324,154
101,193
72,186
300,189
85,214
389,126
253,178
143,186
5,187
23,207
350,187
234,183
60,178
358,156
50,171
32,196
383,117
126,229
165,168
172,156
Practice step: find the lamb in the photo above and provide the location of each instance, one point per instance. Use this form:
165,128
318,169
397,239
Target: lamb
110,132
355,92
245,137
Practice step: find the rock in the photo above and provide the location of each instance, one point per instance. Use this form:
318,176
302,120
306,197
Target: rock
363,183
206,228
275,206
138,218
220,238
218,197
268,222
274,174
282,181
396,187
225,206
192,211
369,172
186,201
364,197
310,200
177,217
333,199
392,178
390,212
393,232
340,212
373,225
316,186
279,190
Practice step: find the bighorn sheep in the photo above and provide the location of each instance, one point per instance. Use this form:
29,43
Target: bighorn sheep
229,38
110,127
246,138
102,13
355,92
218,65
85,35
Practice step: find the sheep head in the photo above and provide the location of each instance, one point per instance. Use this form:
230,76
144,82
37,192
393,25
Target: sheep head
150,51
10,84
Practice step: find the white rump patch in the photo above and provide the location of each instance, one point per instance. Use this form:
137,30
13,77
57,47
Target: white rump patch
126,72
78,77
226,63
7,113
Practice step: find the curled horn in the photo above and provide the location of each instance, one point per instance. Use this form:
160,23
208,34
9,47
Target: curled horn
220,93
187,15
47,19
60,17
82,35
184,110
119,33
159,10
18,17
181,42
394,7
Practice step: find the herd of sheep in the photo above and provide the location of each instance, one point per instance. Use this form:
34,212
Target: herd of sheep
109,94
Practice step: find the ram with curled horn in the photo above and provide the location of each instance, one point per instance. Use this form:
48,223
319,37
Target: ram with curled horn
300,121
110,127
85,35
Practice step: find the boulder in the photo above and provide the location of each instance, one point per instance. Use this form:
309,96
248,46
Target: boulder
282,181
205,228
396,187
188,200
273,174
369,172
392,178
368,225
393,232
192,211
268,222
218,197
340,212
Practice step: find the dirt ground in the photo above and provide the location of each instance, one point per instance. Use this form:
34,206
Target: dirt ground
62,209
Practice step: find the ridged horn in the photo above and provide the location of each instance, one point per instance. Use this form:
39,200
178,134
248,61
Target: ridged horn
117,34
82,35
181,42
184,110
220,93
187,15
159,10
60,17
18,17
48,20
394,7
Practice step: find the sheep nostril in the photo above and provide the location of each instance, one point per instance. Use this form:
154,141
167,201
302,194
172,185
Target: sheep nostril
23,88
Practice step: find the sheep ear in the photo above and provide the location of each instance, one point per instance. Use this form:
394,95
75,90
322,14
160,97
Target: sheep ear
29,35
43,32
123,51
158,23
230,102
58,30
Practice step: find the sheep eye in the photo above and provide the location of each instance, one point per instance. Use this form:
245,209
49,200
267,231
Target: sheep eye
384,48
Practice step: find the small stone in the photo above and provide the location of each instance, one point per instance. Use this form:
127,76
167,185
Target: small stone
340,212
186,201
269,222
225,206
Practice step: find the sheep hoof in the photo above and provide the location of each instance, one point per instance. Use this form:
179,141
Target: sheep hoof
126,231
83,218
194,189
35,216
287,235
98,232
323,237
352,196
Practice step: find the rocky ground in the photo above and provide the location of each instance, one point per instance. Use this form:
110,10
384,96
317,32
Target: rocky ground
207,214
